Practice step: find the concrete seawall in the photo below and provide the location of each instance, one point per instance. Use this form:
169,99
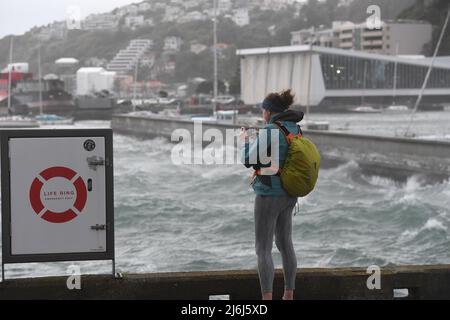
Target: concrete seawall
422,282
380,155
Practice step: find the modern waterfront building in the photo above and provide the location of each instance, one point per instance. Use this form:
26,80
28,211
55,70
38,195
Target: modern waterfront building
333,78
409,36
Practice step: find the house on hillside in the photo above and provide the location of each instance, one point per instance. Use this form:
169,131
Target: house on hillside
144,6
55,31
173,13
172,44
192,16
101,22
224,6
134,22
197,47
189,4
240,17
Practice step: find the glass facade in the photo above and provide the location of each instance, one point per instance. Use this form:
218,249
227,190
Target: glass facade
345,72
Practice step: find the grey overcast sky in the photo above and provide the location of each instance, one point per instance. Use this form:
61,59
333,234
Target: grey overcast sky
18,16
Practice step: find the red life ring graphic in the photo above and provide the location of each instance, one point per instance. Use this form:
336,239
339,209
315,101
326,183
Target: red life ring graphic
58,217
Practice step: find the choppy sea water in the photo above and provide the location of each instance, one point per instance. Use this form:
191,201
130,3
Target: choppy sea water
192,217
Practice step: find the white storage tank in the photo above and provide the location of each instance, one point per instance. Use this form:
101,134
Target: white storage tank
90,80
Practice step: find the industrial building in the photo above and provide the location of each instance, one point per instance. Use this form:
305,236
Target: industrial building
92,80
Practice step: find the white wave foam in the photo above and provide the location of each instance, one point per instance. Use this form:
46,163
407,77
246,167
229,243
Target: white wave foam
412,191
444,137
381,182
431,224
341,170
434,224
413,184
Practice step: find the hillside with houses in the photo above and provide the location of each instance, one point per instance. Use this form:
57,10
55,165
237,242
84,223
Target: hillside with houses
170,41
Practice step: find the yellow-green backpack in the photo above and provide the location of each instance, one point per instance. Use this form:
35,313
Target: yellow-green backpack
301,168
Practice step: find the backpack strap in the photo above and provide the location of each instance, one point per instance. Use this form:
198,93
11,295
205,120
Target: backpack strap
287,134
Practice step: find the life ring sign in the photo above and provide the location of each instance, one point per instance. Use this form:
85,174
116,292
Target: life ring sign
58,195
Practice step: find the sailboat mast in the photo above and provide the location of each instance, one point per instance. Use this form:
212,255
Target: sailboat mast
135,85
364,84
308,90
10,73
40,81
215,85
394,94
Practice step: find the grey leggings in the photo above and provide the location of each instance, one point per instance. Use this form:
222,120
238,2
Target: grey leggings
273,215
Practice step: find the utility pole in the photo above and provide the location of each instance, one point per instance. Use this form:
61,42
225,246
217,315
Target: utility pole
215,85
10,73
40,80
135,85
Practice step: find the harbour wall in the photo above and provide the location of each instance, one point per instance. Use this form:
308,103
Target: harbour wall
386,156
416,282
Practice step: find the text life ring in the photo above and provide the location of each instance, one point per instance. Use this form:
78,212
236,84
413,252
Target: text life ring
58,217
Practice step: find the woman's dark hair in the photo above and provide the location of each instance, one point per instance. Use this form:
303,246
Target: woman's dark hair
281,101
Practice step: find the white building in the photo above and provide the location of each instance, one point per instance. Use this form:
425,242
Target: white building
144,6
224,6
66,62
170,66
321,36
128,10
90,80
172,44
121,12
147,60
132,9
241,17
192,16
96,62
22,67
197,48
126,60
172,14
276,4
101,22
189,4
159,5
340,77
149,22
134,21
55,31
409,36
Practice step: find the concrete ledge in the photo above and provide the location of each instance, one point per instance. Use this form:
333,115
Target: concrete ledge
422,282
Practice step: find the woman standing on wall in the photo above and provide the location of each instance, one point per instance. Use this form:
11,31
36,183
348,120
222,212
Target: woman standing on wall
273,205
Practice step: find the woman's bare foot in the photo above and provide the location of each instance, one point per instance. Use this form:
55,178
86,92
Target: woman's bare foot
288,295
267,296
